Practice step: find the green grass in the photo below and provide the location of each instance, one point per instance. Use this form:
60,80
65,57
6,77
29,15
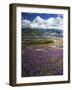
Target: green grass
37,41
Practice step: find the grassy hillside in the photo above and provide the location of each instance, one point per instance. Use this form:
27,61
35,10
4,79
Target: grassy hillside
37,41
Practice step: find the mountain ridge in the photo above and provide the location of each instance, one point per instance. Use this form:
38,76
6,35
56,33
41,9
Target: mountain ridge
41,33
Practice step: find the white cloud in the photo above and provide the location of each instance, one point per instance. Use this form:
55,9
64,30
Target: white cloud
38,22
55,22
25,23
51,20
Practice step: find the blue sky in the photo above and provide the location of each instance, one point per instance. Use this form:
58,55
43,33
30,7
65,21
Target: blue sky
31,16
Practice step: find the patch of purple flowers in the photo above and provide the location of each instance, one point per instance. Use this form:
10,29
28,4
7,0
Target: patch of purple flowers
41,61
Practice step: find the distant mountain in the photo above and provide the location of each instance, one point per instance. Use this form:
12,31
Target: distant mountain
29,33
